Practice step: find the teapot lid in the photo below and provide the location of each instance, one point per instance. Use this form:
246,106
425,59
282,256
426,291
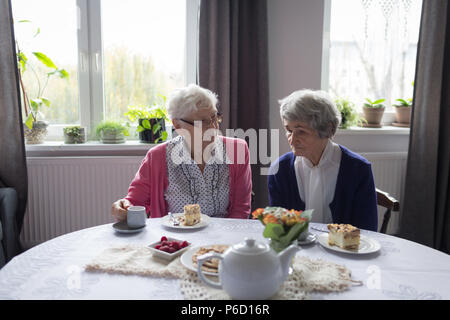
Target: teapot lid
250,247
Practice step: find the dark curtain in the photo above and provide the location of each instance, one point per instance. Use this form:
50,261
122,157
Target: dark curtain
426,208
13,171
233,62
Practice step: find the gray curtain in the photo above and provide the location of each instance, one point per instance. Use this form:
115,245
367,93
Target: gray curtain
426,208
13,171
233,62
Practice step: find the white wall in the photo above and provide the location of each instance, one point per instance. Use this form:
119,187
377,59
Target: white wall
295,31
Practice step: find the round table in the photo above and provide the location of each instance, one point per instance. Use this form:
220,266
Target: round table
55,269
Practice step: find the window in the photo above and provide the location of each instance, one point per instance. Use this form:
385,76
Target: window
373,47
117,53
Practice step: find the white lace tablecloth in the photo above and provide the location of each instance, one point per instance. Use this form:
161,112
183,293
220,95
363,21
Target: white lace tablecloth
55,269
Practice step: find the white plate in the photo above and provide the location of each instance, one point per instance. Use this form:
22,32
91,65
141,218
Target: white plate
186,260
168,223
123,227
311,238
366,245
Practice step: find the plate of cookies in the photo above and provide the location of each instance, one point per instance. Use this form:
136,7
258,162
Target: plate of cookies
347,239
191,218
210,267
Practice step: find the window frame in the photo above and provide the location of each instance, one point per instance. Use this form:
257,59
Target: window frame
90,64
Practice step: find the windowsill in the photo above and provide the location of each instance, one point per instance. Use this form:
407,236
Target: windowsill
90,148
384,130
136,148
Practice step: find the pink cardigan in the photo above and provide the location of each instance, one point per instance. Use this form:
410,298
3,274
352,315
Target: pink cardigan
148,186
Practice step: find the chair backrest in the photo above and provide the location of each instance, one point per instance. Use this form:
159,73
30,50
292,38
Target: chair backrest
390,203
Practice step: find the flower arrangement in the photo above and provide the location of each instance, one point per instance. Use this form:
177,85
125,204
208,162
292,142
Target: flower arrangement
282,226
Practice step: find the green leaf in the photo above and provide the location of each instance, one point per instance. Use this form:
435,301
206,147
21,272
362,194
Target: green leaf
156,127
379,101
35,104
273,231
45,101
307,214
29,121
293,233
164,135
140,129
45,60
368,100
146,124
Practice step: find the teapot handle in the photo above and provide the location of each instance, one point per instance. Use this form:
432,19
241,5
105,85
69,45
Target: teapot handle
200,261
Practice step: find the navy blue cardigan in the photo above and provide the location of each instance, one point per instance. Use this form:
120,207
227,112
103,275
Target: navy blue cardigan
355,199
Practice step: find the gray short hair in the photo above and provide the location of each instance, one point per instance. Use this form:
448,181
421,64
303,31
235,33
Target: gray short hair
316,108
184,101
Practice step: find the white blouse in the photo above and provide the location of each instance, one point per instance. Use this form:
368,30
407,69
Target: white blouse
316,184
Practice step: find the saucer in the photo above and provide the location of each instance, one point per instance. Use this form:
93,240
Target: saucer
123,227
311,238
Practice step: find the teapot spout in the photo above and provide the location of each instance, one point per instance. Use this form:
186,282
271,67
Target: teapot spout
285,257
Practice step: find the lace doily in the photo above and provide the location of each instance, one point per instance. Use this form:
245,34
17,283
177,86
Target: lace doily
307,276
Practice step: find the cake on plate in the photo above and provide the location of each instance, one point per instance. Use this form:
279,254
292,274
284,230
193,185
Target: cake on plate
344,236
192,214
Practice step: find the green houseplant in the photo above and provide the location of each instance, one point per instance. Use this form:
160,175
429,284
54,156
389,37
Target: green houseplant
373,113
35,129
151,121
74,134
403,112
349,114
111,131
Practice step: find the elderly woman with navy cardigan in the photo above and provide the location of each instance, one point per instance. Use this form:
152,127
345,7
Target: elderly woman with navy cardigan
320,174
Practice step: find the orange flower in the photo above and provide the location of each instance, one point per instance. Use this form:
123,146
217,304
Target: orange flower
270,218
257,213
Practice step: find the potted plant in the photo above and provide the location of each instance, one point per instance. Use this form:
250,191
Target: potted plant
373,113
110,131
35,129
349,115
74,134
151,122
403,112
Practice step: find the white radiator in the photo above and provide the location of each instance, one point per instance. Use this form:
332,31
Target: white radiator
71,193
66,194
389,173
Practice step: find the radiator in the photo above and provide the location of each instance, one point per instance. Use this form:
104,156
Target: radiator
389,174
72,193
68,194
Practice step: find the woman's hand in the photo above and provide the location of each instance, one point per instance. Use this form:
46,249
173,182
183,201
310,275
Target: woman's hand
119,209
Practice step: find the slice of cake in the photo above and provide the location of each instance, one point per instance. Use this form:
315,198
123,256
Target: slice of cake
192,214
344,236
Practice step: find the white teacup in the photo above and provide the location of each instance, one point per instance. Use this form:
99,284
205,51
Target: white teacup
136,216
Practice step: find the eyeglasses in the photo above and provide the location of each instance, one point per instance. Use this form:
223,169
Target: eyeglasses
215,119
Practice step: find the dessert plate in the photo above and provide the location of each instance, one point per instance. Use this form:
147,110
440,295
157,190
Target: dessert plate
366,245
186,260
167,223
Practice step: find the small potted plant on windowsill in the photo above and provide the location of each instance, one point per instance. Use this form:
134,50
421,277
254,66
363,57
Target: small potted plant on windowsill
349,115
403,112
373,113
74,135
151,122
111,132
35,128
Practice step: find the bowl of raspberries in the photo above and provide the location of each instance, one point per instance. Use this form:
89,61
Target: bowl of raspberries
169,248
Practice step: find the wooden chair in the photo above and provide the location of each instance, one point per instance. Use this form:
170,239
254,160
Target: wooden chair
390,203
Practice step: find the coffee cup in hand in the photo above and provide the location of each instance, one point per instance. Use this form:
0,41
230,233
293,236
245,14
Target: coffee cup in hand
136,216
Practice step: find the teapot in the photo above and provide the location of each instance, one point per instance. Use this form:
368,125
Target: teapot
250,270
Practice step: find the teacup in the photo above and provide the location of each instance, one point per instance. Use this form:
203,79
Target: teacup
136,216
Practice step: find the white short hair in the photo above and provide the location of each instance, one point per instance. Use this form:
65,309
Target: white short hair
184,101
316,108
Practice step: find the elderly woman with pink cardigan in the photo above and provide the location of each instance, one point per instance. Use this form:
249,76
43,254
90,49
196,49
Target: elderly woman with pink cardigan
197,166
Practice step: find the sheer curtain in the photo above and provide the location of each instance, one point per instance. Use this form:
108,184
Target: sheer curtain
13,171
425,216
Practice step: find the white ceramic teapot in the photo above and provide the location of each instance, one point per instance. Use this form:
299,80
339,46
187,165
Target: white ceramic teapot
250,270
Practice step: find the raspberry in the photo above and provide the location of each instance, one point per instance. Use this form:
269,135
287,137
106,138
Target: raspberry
158,246
163,238
184,244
